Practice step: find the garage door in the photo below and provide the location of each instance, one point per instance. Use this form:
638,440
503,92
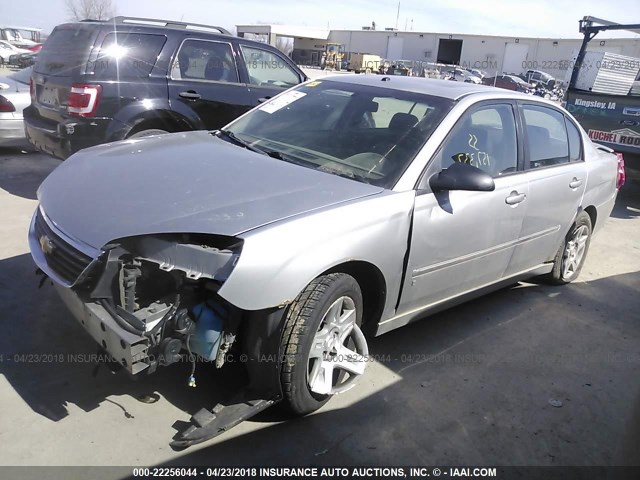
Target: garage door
394,48
515,56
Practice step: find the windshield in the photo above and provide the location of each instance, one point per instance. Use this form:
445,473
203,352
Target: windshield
369,134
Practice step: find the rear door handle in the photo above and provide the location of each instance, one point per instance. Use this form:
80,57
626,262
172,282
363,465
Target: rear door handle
263,99
575,183
190,94
514,198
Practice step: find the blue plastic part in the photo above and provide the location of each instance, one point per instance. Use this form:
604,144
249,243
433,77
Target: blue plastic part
206,339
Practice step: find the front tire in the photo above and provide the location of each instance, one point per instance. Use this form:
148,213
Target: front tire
573,252
324,350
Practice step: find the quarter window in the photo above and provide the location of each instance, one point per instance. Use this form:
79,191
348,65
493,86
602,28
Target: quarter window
485,138
575,142
129,56
267,69
547,136
205,61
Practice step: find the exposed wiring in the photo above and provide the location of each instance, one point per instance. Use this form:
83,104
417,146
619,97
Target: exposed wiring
192,378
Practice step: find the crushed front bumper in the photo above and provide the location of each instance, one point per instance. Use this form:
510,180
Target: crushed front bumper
129,350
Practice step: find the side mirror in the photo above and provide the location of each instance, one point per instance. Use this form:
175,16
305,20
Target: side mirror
462,176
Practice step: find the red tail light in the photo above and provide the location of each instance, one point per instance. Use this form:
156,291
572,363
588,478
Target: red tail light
6,105
83,100
622,176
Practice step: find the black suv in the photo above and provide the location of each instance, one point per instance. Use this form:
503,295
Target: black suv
97,82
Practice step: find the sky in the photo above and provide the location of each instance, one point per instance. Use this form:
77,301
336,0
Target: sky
539,18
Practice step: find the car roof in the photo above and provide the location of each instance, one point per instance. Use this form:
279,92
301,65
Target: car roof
428,86
134,26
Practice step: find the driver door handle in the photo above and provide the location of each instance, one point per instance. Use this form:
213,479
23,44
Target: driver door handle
190,94
514,198
575,183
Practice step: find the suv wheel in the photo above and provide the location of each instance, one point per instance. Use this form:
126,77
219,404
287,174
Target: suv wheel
147,133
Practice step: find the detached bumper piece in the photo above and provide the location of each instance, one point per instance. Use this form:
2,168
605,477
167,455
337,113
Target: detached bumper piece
206,424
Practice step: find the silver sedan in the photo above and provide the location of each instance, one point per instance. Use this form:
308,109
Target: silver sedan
340,209
14,98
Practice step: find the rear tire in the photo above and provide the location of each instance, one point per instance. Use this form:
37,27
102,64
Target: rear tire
147,133
572,253
322,331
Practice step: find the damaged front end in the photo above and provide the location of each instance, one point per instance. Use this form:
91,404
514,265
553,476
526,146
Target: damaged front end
148,300
151,301
161,293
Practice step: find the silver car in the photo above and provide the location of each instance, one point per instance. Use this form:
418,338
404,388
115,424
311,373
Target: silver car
14,98
342,208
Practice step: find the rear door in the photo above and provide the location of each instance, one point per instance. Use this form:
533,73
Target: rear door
204,83
268,73
63,57
557,176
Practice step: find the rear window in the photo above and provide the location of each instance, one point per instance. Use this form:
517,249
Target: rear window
66,49
547,134
127,56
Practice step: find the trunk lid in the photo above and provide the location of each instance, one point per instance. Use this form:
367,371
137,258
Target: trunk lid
62,60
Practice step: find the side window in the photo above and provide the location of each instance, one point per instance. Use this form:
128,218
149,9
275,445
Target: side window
130,55
575,141
484,138
547,136
268,69
205,61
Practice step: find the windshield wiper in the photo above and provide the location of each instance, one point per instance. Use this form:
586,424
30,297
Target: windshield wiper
238,141
349,175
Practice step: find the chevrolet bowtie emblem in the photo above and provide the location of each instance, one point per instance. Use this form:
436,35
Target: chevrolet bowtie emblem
46,245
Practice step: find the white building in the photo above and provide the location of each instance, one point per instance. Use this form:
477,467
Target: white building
485,52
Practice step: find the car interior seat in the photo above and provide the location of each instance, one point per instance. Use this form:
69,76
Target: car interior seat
401,123
539,143
214,69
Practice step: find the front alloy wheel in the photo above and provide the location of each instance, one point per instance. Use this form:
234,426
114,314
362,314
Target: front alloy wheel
324,349
330,352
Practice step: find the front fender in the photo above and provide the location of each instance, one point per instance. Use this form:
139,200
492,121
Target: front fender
280,259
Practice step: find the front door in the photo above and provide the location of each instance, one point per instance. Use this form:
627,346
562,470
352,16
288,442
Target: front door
268,73
204,84
463,240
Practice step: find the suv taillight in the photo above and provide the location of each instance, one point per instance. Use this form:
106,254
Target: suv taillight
622,176
83,100
6,105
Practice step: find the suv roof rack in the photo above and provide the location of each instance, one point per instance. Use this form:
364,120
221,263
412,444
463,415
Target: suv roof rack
168,23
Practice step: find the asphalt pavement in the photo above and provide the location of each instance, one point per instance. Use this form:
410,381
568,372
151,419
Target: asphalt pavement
529,375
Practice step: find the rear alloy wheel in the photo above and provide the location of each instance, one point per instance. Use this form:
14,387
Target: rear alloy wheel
325,351
147,133
573,251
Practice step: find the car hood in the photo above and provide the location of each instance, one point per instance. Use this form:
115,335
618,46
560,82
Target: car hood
188,182
10,85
